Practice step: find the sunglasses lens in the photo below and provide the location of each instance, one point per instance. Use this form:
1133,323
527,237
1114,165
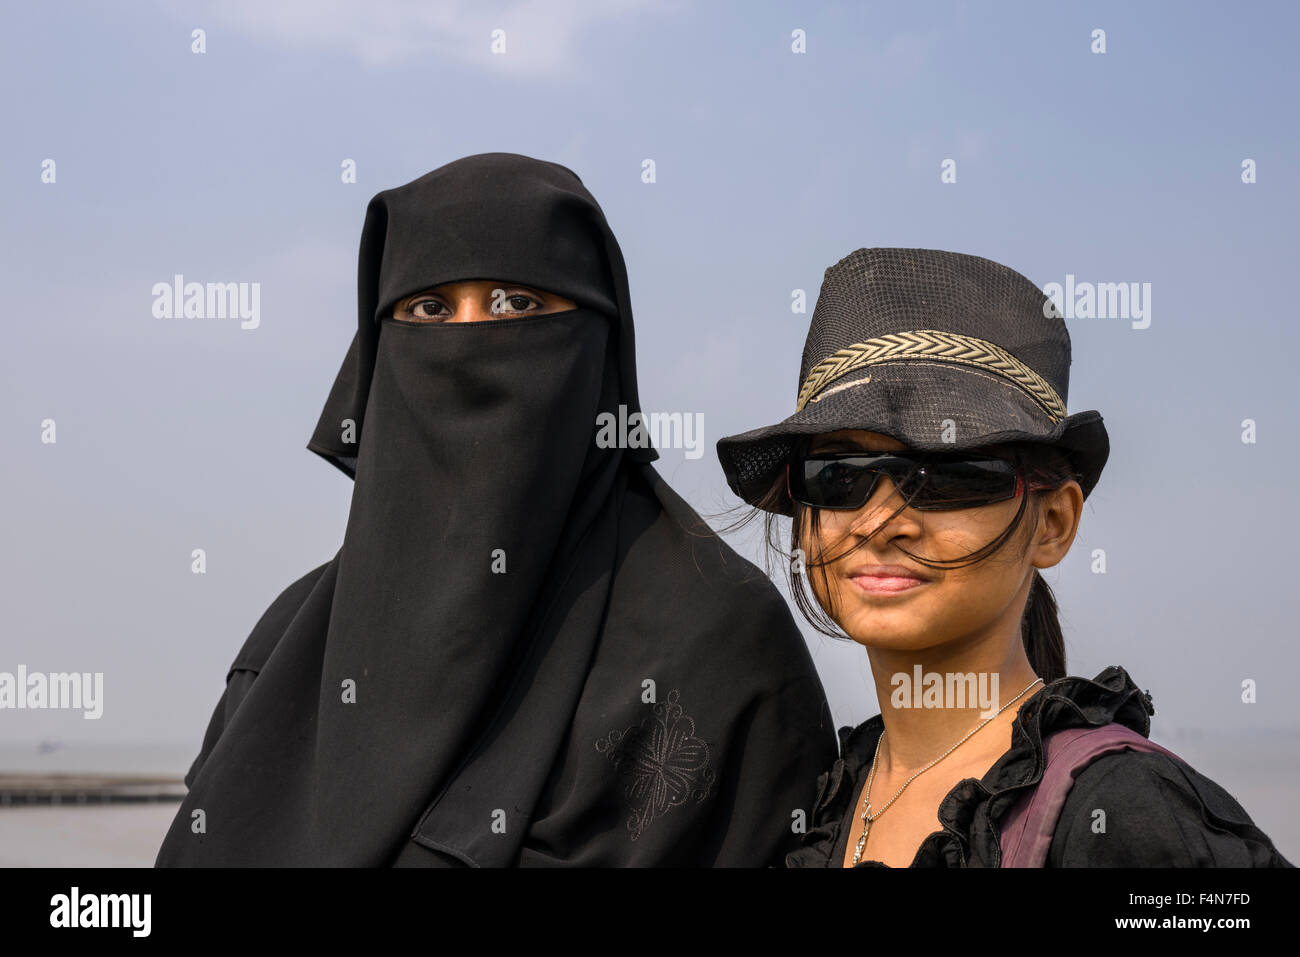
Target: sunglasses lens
963,484
847,481
834,483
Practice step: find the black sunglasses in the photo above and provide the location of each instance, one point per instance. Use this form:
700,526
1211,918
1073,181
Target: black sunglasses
930,481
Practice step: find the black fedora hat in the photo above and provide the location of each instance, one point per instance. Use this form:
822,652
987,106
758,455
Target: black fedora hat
939,350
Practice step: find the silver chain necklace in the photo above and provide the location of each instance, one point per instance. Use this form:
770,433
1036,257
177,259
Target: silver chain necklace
868,818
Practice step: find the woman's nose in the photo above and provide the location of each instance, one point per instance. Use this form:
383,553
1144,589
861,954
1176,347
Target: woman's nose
469,309
879,509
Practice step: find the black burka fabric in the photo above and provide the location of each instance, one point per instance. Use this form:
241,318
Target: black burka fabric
528,649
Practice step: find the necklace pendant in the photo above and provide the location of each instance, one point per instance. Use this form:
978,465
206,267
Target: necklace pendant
862,841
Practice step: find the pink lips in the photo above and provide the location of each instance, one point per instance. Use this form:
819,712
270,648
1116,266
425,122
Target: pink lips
885,579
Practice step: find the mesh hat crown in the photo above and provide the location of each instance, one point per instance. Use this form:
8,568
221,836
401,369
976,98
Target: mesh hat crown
939,350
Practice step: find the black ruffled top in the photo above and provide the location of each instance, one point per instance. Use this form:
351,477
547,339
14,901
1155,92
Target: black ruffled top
1160,812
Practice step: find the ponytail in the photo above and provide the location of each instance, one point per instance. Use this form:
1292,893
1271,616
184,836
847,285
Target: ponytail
1041,632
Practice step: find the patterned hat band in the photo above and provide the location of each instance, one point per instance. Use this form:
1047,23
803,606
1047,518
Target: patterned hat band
932,345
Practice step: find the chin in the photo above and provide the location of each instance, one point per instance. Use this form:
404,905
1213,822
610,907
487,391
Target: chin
890,641
874,629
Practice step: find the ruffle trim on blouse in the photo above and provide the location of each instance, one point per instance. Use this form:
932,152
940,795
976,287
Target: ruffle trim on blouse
971,809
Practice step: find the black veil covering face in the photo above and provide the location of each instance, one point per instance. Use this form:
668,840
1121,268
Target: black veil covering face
528,649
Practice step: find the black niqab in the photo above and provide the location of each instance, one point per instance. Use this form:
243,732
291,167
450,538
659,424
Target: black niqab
526,650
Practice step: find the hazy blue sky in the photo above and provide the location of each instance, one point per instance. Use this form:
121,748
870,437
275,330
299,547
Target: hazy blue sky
771,166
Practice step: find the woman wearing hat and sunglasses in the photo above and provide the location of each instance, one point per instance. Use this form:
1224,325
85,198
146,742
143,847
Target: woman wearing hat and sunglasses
930,470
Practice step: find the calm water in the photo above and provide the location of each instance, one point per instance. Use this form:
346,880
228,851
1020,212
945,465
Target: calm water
1261,770
113,835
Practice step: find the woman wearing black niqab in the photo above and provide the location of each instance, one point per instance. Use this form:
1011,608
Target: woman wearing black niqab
528,650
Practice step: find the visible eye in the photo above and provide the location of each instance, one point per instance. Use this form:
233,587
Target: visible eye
427,309
503,303
514,303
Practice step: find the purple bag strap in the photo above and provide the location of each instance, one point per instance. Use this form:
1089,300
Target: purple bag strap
1027,828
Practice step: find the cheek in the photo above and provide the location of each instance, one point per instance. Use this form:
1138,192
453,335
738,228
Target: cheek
949,535
974,593
955,534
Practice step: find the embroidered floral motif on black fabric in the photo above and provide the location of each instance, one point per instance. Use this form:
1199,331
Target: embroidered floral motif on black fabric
660,762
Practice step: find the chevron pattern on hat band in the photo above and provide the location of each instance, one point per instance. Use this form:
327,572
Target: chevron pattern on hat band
932,344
